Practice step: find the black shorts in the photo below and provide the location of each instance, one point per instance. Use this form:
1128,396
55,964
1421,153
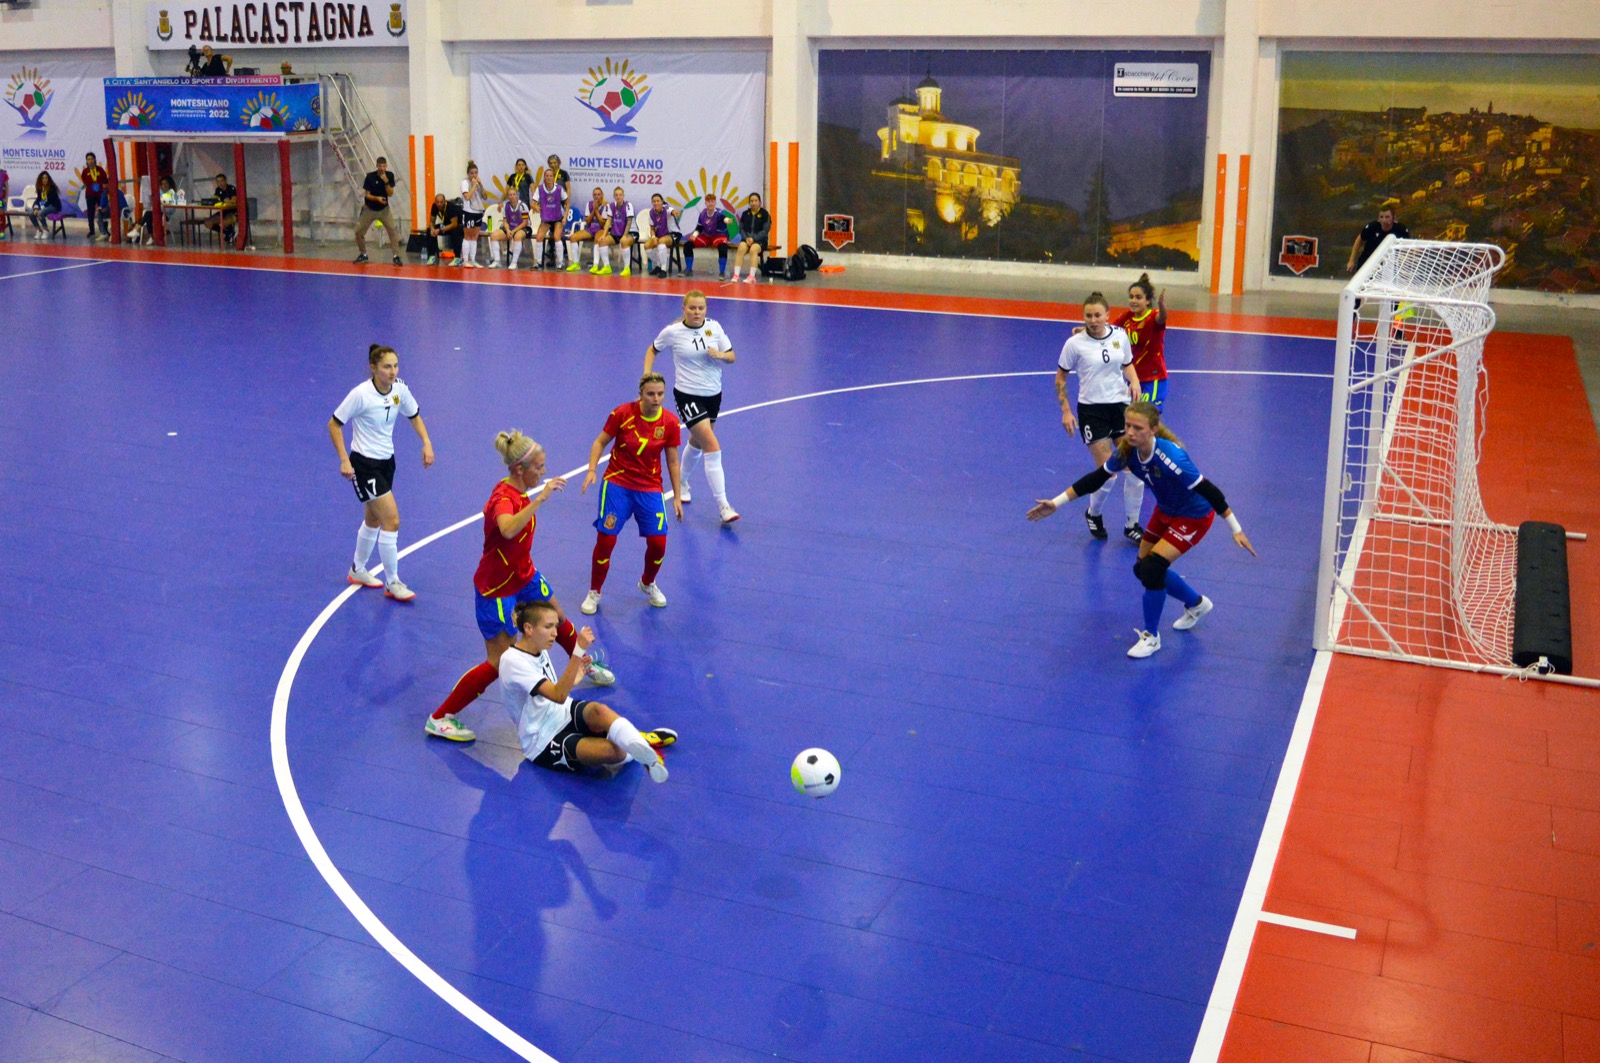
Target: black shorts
374,477
561,754
692,409
1101,420
470,220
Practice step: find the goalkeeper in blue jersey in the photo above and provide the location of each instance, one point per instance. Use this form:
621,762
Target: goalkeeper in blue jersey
1186,504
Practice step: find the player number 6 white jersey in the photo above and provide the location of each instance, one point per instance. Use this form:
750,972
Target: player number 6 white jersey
1098,363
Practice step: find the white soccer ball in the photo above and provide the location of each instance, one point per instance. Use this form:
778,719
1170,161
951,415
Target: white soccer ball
815,772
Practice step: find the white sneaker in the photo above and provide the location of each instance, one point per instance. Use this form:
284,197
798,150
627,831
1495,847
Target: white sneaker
729,514
646,755
653,592
1192,615
591,604
362,578
683,496
398,591
448,727
1146,645
750,279
600,675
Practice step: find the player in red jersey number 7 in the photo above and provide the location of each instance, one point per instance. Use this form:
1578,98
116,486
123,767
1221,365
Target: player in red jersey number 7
639,434
506,578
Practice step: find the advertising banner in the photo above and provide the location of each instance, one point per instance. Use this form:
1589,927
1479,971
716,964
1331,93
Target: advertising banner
173,25
1080,157
241,107
51,118
678,123
1499,149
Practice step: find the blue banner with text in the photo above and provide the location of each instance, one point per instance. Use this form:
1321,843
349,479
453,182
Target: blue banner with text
241,107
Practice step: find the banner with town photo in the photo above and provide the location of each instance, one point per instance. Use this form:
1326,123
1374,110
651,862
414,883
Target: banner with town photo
684,124
1500,149
1080,157
52,118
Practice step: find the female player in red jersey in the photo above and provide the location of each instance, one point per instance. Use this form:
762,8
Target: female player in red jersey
643,430
1145,322
506,578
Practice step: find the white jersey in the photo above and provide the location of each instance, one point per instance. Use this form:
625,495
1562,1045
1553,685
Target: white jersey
695,371
471,197
372,415
1098,364
538,719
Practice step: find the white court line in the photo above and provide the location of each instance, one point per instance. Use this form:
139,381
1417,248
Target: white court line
55,269
1331,929
1225,991
432,979
454,278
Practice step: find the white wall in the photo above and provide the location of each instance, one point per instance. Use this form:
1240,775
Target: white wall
56,24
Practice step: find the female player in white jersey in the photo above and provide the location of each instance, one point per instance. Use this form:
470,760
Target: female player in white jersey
555,731
699,350
371,410
1102,357
1186,504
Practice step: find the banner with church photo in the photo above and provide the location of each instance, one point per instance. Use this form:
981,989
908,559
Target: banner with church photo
52,117
1480,147
684,124
1067,157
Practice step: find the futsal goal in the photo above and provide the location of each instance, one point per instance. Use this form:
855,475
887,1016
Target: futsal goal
1412,567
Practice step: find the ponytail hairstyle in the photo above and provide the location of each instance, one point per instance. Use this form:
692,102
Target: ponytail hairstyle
516,449
528,613
651,378
1097,297
1151,413
1144,285
376,352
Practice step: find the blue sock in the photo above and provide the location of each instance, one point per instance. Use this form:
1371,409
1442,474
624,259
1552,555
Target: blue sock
1180,589
1154,601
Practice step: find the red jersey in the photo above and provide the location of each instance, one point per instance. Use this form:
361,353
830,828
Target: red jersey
507,564
636,452
1149,338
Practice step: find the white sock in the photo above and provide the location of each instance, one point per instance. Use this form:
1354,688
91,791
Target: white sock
516,253
494,252
626,737
366,539
736,273
389,551
564,252
1097,501
663,256
691,458
714,477
469,250
1132,499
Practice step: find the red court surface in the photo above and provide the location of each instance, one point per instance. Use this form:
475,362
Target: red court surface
1451,819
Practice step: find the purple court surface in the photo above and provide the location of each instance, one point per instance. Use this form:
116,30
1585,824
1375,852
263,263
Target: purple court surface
1038,846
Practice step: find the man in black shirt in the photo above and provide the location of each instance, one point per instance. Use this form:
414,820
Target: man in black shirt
1372,235
227,204
375,193
212,65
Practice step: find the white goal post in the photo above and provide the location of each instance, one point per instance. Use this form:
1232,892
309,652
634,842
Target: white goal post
1412,567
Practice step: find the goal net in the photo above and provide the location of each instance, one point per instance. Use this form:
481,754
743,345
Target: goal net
1412,567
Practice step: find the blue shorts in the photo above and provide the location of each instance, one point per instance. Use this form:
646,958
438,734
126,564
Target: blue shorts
617,504
1153,392
495,614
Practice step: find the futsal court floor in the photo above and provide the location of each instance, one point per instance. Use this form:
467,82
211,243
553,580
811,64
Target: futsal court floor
228,838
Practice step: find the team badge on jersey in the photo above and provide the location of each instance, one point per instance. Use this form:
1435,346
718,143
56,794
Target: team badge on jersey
708,332
661,431
611,521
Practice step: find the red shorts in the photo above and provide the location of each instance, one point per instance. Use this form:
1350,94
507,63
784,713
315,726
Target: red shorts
702,240
1181,532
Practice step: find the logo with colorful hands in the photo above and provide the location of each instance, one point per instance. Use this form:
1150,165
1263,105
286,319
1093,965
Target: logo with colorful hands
133,111
29,95
718,191
615,92
265,111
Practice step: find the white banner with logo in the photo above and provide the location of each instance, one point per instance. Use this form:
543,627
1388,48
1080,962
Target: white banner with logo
54,113
230,27
1156,79
678,123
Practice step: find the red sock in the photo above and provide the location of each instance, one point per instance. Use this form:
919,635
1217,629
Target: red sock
600,564
655,548
567,636
474,682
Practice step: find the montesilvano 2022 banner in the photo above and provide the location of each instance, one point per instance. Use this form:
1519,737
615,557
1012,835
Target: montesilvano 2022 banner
51,118
1028,156
242,107
1501,149
230,27
684,124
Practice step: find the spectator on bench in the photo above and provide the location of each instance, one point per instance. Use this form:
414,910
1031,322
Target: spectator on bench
551,198
755,236
444,230
659,235
593,221
711,230
96,195
513,230
227,215
46,203
618,232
